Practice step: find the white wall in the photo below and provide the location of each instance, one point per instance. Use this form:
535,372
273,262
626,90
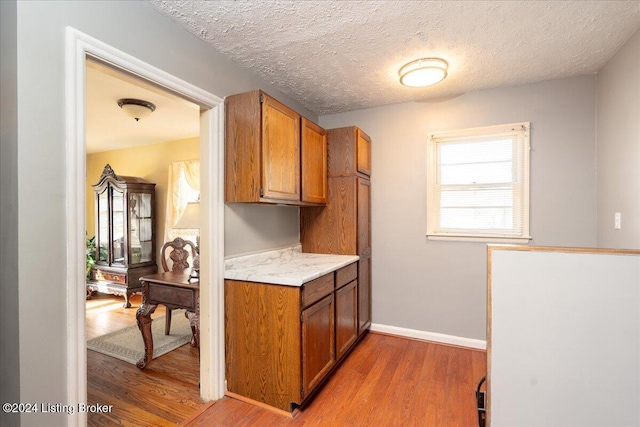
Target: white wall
135,28
565,339
618,151
441,286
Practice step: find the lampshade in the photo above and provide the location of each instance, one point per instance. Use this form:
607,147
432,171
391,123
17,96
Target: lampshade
190,219
423,72
136,108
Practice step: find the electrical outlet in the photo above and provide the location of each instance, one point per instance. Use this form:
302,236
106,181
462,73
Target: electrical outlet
617,221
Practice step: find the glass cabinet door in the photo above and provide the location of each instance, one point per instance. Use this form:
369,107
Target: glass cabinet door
103,227
119,220
141,227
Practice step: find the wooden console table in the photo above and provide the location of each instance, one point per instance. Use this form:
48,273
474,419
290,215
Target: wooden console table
174,289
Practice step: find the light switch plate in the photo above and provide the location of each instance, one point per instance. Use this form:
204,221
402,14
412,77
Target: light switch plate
617,221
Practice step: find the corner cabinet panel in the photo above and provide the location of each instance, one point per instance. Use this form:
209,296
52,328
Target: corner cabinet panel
332,229
318,343
125,234
280,151
314,163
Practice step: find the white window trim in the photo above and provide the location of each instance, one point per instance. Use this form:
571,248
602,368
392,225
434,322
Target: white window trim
431,178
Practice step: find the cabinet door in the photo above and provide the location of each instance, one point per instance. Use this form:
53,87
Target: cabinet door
318,343
364,217
363,152
364,294
118,228
314,163
346,317
280,151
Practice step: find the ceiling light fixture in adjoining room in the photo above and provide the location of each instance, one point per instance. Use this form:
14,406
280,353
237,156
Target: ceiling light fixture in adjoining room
136,108
423,72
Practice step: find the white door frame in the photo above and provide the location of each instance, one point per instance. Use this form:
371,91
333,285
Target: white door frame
78,47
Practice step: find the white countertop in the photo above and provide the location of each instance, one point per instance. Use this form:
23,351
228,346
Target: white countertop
288,266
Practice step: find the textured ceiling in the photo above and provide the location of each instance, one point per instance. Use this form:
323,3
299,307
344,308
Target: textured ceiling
336,56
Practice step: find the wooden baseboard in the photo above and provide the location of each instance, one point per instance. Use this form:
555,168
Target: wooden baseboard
262,405
429,336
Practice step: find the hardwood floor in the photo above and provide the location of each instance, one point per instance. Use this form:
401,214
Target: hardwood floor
387,381
163,394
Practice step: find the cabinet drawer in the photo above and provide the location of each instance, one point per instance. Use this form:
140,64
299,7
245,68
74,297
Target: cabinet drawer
159,294
110,277
346,274
316,289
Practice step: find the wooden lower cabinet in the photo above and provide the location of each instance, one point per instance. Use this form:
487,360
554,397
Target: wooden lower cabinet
281,342
318,343
346,317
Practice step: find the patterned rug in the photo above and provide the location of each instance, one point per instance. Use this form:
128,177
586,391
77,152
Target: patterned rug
126,344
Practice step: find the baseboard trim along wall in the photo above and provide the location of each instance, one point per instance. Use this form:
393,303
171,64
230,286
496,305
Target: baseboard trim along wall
429,336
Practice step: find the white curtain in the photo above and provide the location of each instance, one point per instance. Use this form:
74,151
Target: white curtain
184,187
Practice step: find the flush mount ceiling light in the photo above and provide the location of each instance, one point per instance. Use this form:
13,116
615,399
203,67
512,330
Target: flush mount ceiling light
136,108
423,72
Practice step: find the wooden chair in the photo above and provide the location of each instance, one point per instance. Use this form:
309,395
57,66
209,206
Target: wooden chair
179,257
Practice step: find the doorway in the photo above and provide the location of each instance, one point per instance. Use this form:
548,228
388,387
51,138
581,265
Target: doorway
79,48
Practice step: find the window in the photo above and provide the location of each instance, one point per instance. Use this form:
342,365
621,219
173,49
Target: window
478,184
183,187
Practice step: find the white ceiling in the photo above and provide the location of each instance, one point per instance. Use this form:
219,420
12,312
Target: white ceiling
108,128
336,56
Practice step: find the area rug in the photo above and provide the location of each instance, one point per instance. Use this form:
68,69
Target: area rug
126,344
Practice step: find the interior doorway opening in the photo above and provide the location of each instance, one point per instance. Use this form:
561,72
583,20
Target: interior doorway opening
80,47
133,201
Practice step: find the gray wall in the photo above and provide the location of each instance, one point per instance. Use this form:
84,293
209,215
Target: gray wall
441,286
618,147
9,345
261,227
141,31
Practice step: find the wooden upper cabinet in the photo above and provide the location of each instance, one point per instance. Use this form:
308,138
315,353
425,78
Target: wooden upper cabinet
349,152
363,152
314,162
265,144
280,151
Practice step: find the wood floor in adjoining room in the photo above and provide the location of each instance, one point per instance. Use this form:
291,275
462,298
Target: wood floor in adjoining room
386,382
163,394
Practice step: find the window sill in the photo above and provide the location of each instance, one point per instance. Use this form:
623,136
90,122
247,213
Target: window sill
479,239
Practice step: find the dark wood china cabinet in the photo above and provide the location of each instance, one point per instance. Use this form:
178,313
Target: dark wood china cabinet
125,234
